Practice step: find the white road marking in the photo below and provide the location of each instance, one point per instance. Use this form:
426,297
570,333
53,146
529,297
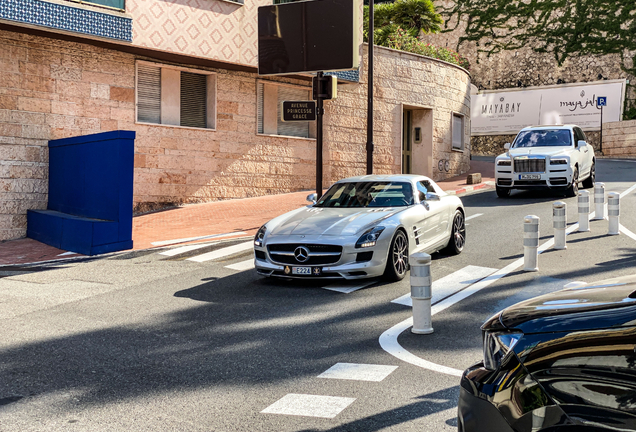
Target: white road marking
309,405
451,283
220,253
67,253
473,216
389,339
242,266
359,372
627,232
347,289
184,249
183,240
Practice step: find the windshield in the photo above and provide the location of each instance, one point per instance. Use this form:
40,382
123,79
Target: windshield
367,194
543,138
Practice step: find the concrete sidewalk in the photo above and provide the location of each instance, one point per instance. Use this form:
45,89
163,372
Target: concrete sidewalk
202,222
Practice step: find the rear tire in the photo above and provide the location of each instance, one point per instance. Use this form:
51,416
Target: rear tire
457,239
502,192
398,259
589,182
573,189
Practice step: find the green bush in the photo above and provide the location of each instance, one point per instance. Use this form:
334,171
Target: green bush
400,39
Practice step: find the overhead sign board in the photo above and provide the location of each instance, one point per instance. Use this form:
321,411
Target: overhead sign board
298,111
308,36
504,112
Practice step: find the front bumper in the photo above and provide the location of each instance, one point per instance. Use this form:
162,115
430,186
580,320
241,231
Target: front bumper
556,177
348,265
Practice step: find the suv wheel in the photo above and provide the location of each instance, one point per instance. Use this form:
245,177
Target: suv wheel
573,189
502,192
589,182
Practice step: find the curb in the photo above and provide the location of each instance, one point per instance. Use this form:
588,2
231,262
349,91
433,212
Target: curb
471,188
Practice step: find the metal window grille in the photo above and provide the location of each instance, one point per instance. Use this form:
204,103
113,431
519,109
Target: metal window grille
193,100
148,94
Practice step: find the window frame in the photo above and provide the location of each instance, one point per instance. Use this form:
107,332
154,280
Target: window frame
311,125
211,91
462,132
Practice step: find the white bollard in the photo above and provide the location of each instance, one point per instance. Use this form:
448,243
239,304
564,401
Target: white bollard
613,212
559,222
599,201
584,211
531,243
421,292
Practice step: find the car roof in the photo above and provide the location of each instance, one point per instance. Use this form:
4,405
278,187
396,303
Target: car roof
387,177
540,127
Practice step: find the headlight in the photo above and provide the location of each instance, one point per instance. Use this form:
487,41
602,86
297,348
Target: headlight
504,162
558,161
369,237
258,238
496,346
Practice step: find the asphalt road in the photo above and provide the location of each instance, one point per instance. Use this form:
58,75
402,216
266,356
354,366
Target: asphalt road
149,342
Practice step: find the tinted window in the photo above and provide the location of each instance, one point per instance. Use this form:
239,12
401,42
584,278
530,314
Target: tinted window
368,194
543,138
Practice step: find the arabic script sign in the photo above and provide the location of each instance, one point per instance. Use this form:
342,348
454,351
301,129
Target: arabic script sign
508,111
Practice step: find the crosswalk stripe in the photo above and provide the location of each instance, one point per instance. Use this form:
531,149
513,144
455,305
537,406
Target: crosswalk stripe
220,253
184,249
451,284
346,289
242,266
183,240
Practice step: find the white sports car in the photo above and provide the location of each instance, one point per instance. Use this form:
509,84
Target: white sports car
362,227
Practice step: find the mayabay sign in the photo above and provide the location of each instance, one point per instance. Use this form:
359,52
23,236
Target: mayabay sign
298,111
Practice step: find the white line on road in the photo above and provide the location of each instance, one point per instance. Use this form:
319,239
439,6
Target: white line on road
450,284
474,216
627,232
309,405
183,240
358,372
184,249
347,289
220,253
242,266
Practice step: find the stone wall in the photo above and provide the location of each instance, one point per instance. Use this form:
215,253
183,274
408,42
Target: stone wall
55,89
492,145
619,139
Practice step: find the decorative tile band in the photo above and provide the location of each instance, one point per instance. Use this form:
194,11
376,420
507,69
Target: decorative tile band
68,18
350,75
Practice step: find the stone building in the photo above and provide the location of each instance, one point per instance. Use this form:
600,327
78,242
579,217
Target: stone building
183,76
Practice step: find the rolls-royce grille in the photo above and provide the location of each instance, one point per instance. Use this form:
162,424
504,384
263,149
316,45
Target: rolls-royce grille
304,254
529,165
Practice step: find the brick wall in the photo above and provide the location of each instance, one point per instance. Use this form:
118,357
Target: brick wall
54,89
619,139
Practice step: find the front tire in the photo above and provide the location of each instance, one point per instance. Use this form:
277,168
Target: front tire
398,260
573,189
502,192
458,235
589,182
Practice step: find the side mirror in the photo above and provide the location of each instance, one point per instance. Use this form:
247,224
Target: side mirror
581,143
312,198
431,196
507,146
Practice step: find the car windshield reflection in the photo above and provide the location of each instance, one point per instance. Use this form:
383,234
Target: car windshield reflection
368,194
543,138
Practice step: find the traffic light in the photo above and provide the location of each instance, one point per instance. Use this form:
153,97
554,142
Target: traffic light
325,87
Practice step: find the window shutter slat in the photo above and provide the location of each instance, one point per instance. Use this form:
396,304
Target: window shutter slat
193,100
259,107
149,94
298,129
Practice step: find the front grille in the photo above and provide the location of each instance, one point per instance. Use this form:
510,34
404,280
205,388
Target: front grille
260,255
529,165
283,253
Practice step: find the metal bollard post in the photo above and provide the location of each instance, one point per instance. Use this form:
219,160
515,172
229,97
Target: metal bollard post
613,212
531,243
584,211
559,222
599,201
421,292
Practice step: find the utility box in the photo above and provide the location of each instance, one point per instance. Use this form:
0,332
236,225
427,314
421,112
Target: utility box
90,200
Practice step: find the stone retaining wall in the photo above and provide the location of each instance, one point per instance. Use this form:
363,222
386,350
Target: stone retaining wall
619,139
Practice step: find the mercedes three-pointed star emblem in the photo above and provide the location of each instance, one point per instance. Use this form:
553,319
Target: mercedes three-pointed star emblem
301,253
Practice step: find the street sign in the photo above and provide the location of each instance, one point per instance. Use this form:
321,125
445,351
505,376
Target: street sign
601,101
298,111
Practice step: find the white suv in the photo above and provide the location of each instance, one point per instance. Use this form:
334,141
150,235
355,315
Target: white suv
555,157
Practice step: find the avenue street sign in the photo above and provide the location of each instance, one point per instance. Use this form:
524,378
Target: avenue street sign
298,111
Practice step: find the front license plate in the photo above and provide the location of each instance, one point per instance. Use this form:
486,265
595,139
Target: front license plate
529,176
301,270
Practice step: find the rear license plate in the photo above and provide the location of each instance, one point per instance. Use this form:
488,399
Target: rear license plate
301,270
529,176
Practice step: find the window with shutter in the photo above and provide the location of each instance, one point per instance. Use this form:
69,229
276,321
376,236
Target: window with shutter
458,132
259,107
298,129
148,94
193,100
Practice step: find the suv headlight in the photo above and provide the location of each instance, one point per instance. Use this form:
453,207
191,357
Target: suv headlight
258,238
559,161
369,237
504,162
497,345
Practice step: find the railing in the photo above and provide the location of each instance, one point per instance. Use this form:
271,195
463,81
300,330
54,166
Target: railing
114,4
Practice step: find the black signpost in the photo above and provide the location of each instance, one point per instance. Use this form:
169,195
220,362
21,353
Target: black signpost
601,101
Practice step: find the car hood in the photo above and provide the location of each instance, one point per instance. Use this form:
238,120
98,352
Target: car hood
332,221
610,303
540,151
